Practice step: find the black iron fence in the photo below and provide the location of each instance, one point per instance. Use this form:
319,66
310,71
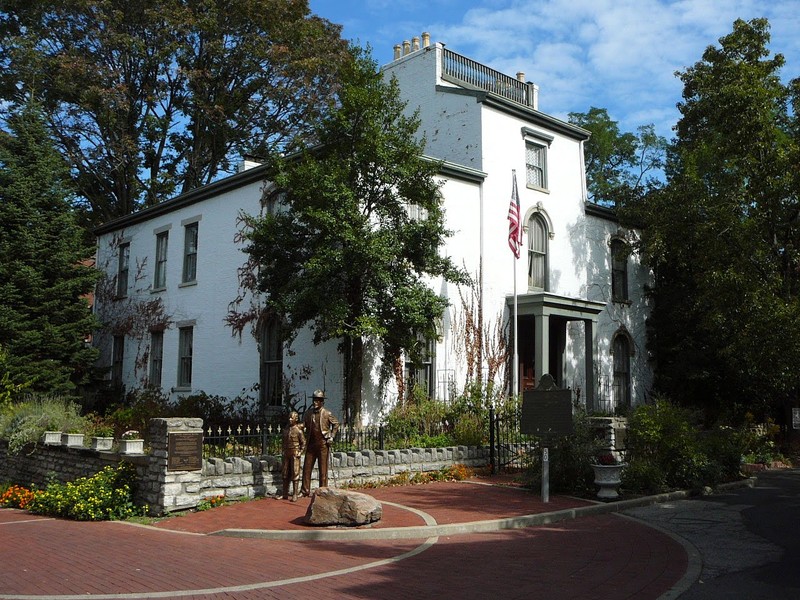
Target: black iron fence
256,439
509,448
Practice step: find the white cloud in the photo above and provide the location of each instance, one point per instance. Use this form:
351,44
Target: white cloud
616,54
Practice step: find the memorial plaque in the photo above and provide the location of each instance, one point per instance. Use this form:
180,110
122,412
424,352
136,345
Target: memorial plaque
547,411
547,414
185,452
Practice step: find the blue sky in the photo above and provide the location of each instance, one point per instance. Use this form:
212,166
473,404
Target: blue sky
617,54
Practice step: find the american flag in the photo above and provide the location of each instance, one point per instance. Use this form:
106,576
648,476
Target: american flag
514,226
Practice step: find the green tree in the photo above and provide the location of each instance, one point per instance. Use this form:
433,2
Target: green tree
44,316
724,235
618,165
356,240
147,98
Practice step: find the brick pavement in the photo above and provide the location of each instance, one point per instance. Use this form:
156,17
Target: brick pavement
603,556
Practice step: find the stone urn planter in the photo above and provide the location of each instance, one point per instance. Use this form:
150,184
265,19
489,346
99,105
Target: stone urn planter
131,446
608,479
72,440
102,443
52,438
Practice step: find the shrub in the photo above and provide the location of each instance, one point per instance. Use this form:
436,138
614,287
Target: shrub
570,460
107,495
665,445
470,430
418,416
25,422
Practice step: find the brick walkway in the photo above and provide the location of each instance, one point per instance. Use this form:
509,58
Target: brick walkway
603,556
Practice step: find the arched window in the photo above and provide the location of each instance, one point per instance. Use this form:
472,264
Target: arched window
619,270
270,344
622,371
537,252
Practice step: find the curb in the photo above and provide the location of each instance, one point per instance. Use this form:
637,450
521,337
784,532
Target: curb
432,530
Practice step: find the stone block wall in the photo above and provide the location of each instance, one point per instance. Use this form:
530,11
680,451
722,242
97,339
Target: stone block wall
165,490
40,464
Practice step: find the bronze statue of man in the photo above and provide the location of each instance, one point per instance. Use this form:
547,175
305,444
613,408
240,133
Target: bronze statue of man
294,443
321,427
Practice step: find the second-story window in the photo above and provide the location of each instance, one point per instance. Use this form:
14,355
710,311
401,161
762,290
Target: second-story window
536,165
190,253
123,268
160,279
619,271
536,145
537,253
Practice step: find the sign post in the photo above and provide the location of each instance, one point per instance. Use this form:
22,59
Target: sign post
545,475
546,413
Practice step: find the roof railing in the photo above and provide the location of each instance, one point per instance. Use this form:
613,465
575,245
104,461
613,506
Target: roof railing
462,70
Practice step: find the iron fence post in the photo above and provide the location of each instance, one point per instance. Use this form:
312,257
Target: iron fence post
491,438
380,437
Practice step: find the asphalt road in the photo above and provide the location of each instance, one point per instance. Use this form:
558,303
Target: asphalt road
747,540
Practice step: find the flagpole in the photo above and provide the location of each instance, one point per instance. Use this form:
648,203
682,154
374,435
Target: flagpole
516,333
514,241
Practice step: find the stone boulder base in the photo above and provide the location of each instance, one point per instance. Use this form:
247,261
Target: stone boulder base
331,506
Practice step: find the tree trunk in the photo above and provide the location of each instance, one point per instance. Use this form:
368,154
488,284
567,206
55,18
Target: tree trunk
353,354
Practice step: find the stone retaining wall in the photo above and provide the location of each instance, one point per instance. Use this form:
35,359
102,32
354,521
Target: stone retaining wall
165,490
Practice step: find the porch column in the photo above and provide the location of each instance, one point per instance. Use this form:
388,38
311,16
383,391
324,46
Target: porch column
541,357
589,344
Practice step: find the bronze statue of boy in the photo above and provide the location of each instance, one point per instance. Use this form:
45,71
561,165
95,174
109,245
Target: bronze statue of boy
294,444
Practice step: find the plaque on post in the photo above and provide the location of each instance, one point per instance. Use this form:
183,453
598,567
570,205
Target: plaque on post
547,410
185,452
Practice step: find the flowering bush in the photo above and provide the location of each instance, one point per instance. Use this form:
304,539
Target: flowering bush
131,434
211,502
102,497
17,497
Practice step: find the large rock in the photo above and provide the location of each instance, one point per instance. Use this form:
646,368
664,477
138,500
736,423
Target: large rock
331,506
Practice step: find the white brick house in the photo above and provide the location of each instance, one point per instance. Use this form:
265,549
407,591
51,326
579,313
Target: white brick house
172,270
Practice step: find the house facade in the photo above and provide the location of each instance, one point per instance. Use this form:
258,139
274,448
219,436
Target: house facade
572,305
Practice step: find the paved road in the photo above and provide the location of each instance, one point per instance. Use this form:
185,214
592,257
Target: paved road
747,539
592,557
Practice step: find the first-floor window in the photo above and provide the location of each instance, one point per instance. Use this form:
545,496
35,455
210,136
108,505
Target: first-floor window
117,358
419,368
622,371
271,353
156,357
185,341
